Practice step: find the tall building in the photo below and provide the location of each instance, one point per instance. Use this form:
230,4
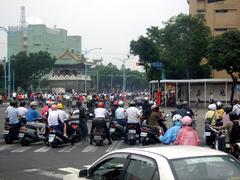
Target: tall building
38,37
220,16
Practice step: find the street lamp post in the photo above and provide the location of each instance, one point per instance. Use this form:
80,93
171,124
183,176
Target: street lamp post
86,52
97,62
124,71
5,75
9,65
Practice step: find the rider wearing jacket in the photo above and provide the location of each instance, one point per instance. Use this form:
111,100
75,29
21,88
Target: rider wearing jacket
170,136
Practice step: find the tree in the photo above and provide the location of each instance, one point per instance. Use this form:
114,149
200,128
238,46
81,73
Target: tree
185,40
224,54
29,68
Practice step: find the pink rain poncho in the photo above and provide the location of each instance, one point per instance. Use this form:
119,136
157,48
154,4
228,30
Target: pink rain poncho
187,136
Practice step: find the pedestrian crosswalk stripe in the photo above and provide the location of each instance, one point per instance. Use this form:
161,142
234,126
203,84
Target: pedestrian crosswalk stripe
5,147
89,148
21,149
70,170
112,146
43,149
67,149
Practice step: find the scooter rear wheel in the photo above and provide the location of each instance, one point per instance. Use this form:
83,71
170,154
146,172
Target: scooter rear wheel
55,143
8,139
25,142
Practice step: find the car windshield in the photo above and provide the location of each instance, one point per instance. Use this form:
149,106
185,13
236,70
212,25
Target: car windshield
206,168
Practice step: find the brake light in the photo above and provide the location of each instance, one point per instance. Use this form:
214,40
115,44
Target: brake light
131,127
52,130
144,129
74,126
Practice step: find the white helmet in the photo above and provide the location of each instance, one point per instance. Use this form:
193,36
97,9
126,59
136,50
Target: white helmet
120,103
212,107
177,117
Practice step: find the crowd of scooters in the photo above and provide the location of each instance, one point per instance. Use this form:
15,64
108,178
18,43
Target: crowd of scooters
131,121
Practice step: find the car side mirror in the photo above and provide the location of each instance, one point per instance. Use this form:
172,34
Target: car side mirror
83,173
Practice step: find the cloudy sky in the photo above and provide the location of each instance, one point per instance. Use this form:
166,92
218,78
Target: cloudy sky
106,24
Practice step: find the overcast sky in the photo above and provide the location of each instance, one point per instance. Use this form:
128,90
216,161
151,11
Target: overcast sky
106,24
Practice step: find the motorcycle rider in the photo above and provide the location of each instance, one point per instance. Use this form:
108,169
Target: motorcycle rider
145,108
114,108
100,114
13,114
154,117
210,117
22,111
32,119
179,110
62,116
120,114
219,113
187,135
236,107
133,116
170,136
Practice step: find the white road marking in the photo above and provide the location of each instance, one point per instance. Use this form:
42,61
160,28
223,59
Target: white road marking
21,149
7,146
46,173
70,170
89,148
112,146
67,149
118,145
42,149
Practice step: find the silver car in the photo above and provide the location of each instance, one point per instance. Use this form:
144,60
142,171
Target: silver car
162,163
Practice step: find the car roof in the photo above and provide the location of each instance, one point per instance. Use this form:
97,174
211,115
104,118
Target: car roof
174,151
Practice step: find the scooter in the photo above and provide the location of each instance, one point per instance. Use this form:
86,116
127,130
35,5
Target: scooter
56,138
116,130
74,129
131,135
150,135
99,134
13,133
31,135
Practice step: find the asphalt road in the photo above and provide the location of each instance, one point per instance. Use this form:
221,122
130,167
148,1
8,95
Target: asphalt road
38,161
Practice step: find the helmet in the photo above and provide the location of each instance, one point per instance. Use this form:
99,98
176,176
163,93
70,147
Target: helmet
150,102
101,105
121,103
132,103
228,109
115,103
33,103
153,107
212,107
219,104
60,106
185,103
177,117
54,107
186,121
22,103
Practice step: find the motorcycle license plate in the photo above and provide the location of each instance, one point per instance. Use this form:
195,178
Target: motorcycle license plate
5,131
132,131
227,145
51,137
207,133
143,134
97,137
20,135
112,130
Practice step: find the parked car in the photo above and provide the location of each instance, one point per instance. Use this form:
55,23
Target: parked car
165,163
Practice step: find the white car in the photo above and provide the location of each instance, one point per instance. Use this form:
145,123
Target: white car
162,163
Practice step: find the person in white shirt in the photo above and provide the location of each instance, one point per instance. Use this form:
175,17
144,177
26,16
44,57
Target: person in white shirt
22,111
133,117
56,120
100,114
236,107
120,114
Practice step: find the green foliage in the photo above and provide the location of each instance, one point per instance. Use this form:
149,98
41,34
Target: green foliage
30,68
111,79
180,46
224,54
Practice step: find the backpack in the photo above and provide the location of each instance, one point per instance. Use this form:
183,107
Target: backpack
235,132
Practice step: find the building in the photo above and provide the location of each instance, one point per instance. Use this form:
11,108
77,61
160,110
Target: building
68,74
220,16
38,37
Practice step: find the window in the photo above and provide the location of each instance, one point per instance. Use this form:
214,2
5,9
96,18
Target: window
221,11
109,169
221,29
141,168
201,11
213,1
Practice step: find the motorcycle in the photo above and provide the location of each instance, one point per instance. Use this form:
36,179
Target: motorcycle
131,135
31,135
74,130
116,130
150,135
56,138
99,134
210,135
13,133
